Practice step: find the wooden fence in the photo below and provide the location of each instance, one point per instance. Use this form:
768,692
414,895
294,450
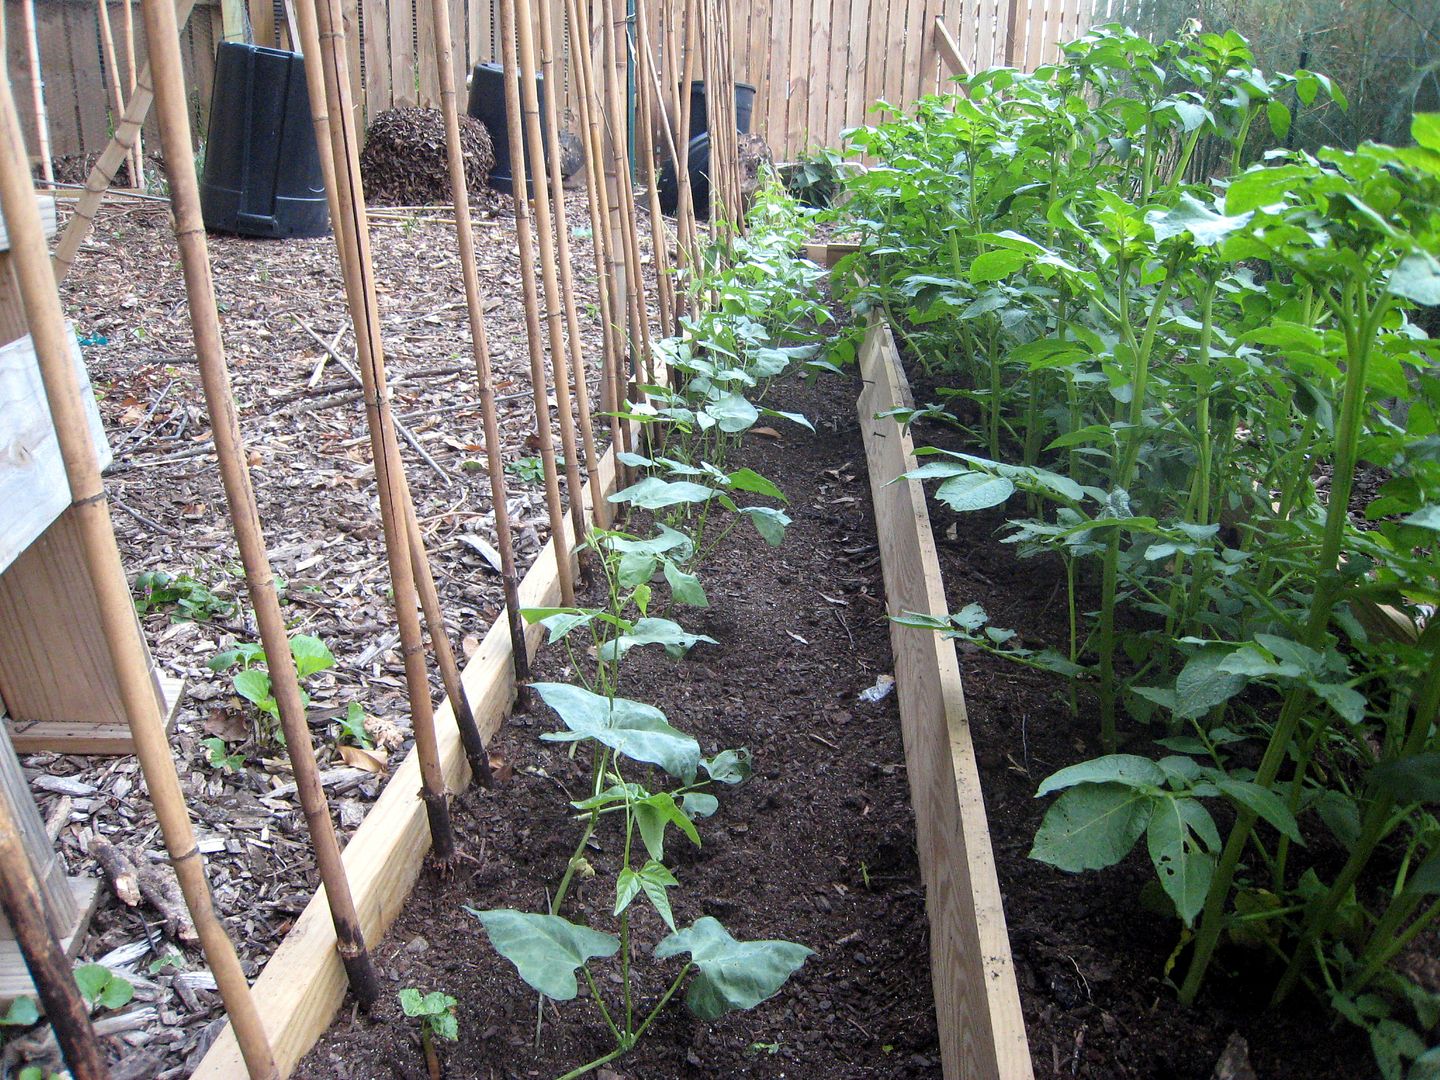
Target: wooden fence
817,65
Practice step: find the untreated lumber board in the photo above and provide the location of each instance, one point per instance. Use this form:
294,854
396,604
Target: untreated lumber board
303,985
90,736
14,976
950,52
977,1002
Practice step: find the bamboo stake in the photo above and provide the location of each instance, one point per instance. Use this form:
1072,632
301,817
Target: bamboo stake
230,453
322,33
524,241
615,27
544,225
82,219
685,209
646,95
37,93
48,965
597,201
480,348
112,74
117,613
137,171
578,375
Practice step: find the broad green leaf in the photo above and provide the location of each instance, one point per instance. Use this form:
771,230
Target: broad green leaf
1278,113
698,804
1264,802
1427,517
652,879
728,766
311,655
632,728
1182,838
685,588
101,987
1203,683
1417,278
1092,826
22,1013
652,631
654,814
652,493
731,413
974,491
1409,779
750,480
1204,225
545,949
732,974
1128,769
997,264
254,686
1425,130
769,522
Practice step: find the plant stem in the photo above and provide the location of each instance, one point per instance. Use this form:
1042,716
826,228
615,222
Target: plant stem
593,1065
600,1001
669,993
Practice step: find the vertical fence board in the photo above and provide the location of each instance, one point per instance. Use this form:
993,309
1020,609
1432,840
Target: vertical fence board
379,94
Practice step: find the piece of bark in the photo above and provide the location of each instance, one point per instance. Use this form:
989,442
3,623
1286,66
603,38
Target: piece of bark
121,872
161,888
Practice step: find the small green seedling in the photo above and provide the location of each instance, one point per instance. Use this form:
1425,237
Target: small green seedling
102,988
253,683
23,1012
436,1012
531,470
218,755
352,728
192,598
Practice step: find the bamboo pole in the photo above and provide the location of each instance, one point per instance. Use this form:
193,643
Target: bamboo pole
685,208
117,613
646,96
37,92
445,659
544,226
616,26
524,241
112,74
137,171
162,34
597,202
322,33
48,965
82,217
480,349
578,376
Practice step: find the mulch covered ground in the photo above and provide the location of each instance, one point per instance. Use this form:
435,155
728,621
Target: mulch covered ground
309,452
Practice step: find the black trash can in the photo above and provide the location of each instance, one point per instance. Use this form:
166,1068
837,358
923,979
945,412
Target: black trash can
262,169
699,111
487,104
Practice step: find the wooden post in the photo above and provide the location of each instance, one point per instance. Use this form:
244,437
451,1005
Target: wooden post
525,240
37,93
49,966
322,33
62,388
240,495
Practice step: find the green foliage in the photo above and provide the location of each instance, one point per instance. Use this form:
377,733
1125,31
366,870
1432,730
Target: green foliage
435,1010
193,599
1178,351
310,656
23,1012
102,988
218,756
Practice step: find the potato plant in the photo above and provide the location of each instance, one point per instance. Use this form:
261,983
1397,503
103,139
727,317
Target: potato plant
1175,385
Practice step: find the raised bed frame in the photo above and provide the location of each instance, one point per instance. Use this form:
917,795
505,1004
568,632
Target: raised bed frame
977,1002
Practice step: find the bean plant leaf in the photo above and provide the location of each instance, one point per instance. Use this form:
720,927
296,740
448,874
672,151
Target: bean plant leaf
728,766
545,949
1427,517
23,1012
732,974
632,728
1128,769
651,631
685,588
769,522
731,412
1092,826
652,879
752,481
1182,839
698,804
652,493
656,813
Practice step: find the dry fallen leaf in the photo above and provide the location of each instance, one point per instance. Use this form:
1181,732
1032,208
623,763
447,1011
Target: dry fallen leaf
500,770
228,725
469,644
358,757
768,432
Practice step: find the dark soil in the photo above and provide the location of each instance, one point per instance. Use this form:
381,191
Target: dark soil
1089,956
818,847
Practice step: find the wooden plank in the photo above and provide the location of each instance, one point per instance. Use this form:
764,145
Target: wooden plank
303,984
950,51
757,68
376,50
45,864
90,736
877,37
977,1002
817,75
428,62
778,98
14,976
262,22
797,79
404,89
855,103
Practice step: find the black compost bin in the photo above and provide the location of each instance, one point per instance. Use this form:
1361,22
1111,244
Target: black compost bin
262,170
699,111
487,104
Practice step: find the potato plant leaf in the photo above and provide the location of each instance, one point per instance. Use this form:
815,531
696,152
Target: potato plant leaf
1182,839
545,949
733,974
632,728
1092,826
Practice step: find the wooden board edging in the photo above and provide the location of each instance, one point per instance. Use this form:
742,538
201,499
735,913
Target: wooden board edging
977,1001
303,985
